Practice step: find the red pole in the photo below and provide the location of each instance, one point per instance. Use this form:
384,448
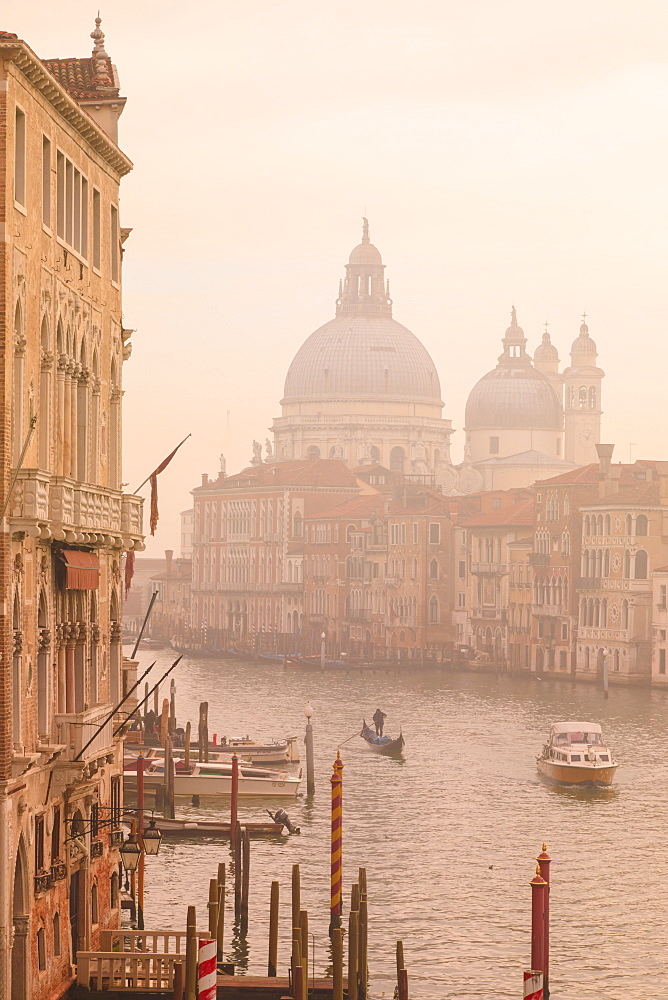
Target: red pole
235,797
544,860
533,985
140,829
538,888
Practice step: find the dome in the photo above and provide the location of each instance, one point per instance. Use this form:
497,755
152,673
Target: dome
362,357
365,253
514,398
546,351
583,344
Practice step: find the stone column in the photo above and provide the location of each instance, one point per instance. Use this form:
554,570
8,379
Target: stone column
61,381
70,634
74,402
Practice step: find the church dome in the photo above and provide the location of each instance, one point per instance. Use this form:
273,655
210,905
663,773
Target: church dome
362,357
546,351
514,395
584,343
363,353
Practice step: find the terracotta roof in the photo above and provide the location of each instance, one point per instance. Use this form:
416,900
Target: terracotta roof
362,506
660,569
631,495
84,79
510,514
8,34
308,472
589,475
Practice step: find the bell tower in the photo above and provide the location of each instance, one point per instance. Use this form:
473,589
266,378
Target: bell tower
582,400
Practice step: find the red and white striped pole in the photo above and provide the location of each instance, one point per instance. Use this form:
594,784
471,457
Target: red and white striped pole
533,985
538,893
544,860
206,970
336,843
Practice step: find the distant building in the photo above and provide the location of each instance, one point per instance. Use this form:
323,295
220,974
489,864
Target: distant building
171,612
187,531
68,522
660,627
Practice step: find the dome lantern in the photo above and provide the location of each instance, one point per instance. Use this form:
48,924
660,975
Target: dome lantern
364,292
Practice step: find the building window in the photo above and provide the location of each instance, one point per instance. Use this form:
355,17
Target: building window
641,524
564,631
433,610
494,446
56,934
71,205
462,569
415,532
114,891
113,250
94,916
41,950
116,801
662,661
39,843
97,230
640,565
20,157
94,820
403,534
433,569
434,534
462,600
55,834
46,181
563,659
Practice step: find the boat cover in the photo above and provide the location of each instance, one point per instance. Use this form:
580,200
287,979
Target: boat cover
575,727
379,741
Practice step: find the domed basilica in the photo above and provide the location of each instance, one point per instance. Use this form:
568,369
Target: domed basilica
364,389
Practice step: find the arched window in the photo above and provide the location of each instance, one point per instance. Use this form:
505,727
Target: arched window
18,401
434,611
41,950
615,661
592,397
586,657
313,452
607,524
625,614
297,525
56,933
43,720
629,524
397,459
114,891
640,568
582,396
433,569
114,475
627,565
641,524
606,563
94,915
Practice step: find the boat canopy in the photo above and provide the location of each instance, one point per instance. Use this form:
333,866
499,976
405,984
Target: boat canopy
575,727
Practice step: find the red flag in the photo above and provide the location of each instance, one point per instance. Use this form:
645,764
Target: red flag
154,515
129,570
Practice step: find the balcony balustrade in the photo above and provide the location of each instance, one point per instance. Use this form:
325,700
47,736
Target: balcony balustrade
75,729
548,610
489,568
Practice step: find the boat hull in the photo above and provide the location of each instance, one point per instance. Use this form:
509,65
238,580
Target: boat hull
572,774
209,784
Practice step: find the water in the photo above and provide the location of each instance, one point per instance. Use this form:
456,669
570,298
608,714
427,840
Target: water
449,834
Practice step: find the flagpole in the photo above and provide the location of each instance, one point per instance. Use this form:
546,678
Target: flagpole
149,476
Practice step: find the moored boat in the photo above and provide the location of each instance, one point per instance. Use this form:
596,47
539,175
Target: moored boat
215,778
382,744
274,752
188,827
575,754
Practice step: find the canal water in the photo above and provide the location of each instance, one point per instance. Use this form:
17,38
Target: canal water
449,834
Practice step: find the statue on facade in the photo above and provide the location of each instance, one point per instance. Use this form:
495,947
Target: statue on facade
420,461
257,453
269,450
223,466
337,450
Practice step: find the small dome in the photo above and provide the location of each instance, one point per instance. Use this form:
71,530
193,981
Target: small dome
365,253
584,344
514,398
546,351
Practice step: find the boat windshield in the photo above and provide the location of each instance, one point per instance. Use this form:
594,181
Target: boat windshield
564,739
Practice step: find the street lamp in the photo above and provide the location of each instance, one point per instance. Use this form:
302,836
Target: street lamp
152,839
310,769
308,710
130,854
605,652
322,650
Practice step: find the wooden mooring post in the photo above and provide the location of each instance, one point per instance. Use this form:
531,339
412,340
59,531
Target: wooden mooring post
203,731
237,872
353,955
220,929
337,963
191,954
213,908
296,895
303,924
186,753
245,878
364,937
273,930
172,707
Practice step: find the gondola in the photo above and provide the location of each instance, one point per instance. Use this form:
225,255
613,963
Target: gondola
382,744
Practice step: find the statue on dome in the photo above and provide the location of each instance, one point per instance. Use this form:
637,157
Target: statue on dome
223,466
257,453
269,450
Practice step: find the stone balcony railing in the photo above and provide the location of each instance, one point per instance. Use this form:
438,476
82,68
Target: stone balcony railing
58,507
75,729
490,568
548,610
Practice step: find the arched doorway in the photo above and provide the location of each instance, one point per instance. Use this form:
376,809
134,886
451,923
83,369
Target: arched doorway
21,921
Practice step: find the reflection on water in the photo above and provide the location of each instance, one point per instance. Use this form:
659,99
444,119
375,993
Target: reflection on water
448,834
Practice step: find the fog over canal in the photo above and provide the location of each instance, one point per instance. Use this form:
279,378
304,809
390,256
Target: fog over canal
449,834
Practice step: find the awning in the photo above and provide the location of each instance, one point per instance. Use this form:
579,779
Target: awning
82,570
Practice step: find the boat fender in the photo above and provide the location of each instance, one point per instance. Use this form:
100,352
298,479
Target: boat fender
280,816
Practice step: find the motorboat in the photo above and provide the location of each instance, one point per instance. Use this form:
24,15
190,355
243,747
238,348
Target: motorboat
184,826
273,752
386,745
575,754
215,778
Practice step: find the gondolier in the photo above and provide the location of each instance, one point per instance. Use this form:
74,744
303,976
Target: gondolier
378,720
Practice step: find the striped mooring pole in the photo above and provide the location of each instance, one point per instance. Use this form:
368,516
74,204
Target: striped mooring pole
337,813
538,894
206,970
533,985
544,860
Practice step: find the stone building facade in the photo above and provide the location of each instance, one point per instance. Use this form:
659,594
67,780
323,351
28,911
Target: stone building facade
67,522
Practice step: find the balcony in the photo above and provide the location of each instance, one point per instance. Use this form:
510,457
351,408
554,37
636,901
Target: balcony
76,729
588,583
48,506
539,559
489,568
548,611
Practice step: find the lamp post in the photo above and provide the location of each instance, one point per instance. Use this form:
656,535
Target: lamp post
605,652
323,637
310,777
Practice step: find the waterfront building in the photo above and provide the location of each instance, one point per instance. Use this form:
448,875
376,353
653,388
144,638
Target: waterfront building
363,389
503,517
248,544
187,530
67,523
519,428
171,611
519,603
660,626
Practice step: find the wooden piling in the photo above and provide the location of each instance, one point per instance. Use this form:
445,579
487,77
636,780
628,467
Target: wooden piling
303,923
337,963
178,984
168,810
353,955
156,703
245,877
296,895
237,872
298,982
403,984
191,954
186,755
363,949
234,799
400,958
354,896
172,707
220,930
213,907
203,731
164,721
273,930
544,861
296,959
145,703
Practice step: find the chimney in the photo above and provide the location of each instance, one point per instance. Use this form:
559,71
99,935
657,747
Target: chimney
168,556
205,479
604,452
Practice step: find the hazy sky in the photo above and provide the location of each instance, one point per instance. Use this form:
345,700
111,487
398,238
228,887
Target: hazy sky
506,151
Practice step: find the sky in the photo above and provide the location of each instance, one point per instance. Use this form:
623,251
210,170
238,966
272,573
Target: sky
505,152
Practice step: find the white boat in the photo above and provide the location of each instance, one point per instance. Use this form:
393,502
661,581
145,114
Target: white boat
215,778
575,754
274,752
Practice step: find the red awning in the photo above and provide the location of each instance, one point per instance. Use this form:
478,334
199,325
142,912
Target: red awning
83,570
